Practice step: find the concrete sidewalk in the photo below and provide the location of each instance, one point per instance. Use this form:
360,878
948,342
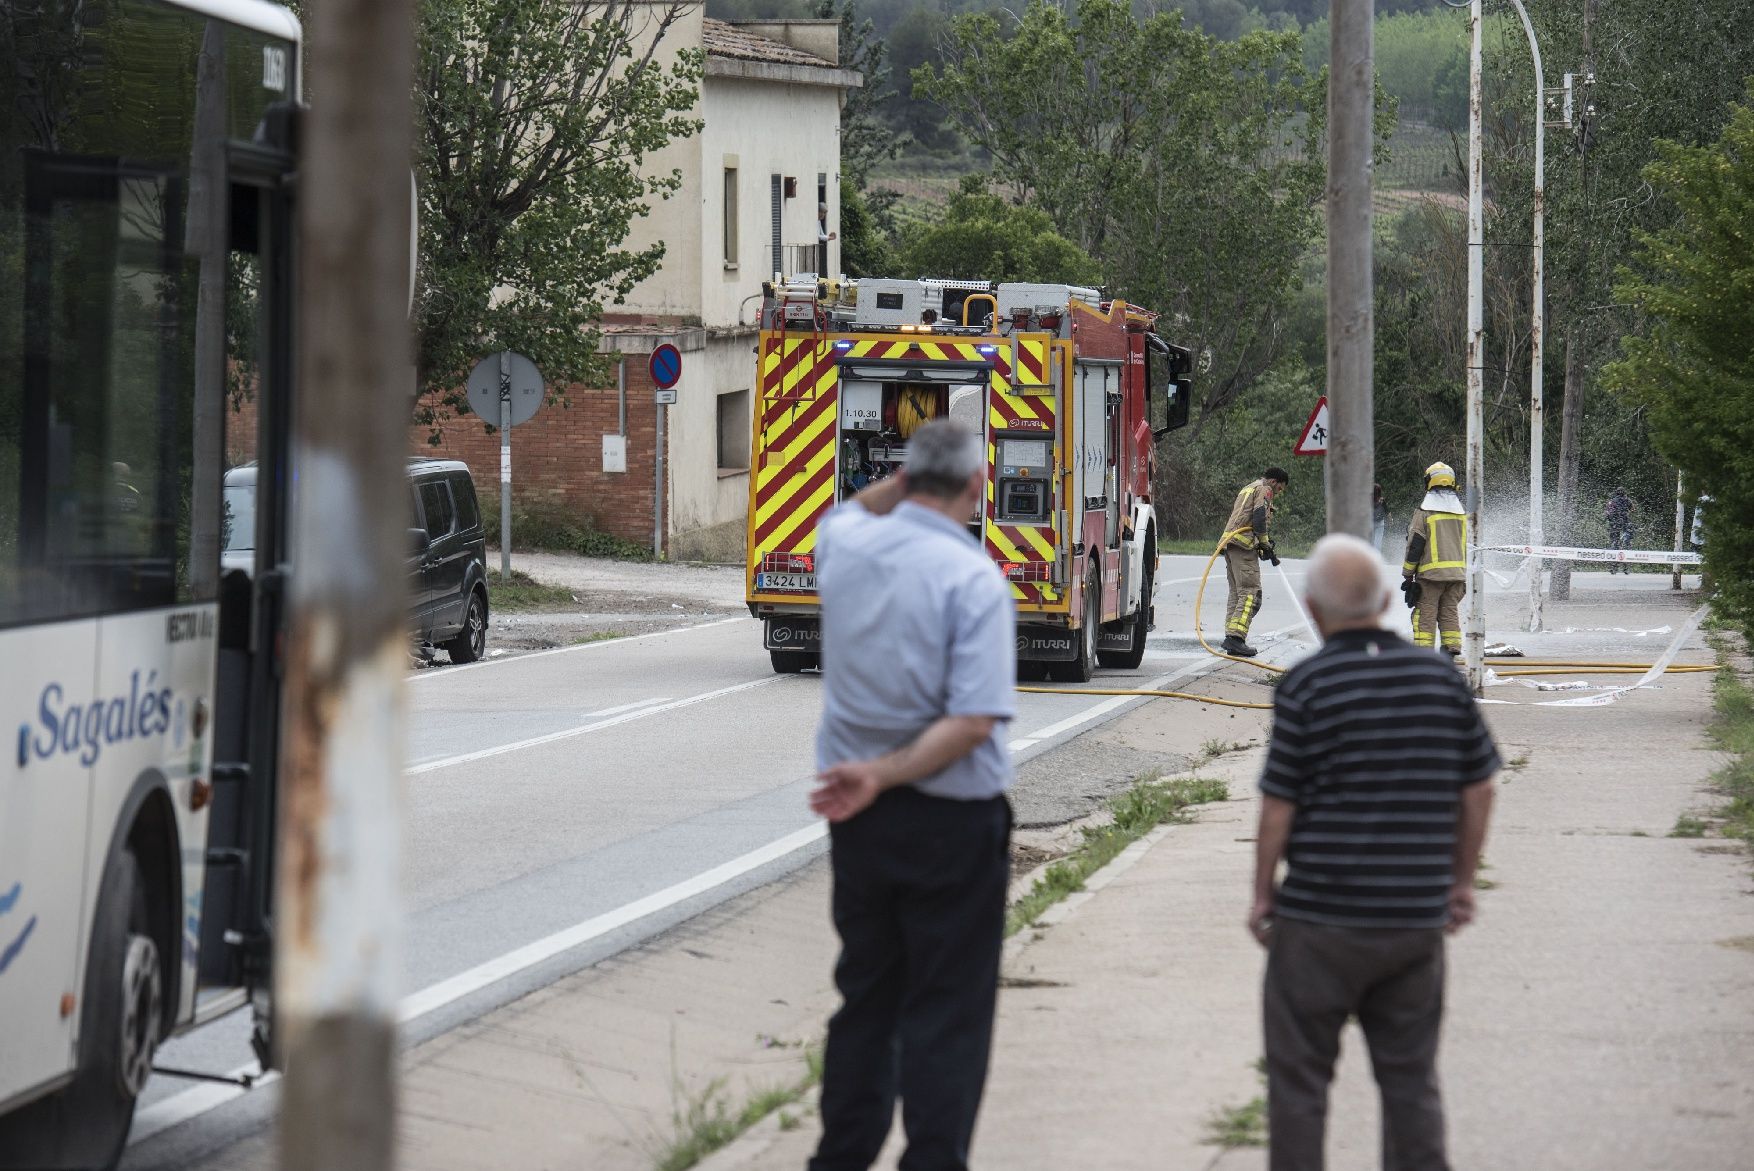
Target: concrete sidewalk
1601,1012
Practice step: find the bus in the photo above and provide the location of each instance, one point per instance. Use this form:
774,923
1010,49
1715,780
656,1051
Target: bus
146,267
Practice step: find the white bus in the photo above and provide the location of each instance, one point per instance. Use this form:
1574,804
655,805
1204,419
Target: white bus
146,155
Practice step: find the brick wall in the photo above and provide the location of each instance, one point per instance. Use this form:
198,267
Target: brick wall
557,457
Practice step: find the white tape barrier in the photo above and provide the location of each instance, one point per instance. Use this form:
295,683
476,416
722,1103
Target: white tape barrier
1602,699
1627,556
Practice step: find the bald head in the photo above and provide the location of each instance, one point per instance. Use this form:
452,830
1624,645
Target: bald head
1346,588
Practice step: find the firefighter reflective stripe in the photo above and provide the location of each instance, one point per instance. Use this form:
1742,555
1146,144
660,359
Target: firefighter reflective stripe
1032,360
1446,541
1421,637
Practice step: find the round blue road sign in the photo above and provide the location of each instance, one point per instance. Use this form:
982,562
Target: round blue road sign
666,366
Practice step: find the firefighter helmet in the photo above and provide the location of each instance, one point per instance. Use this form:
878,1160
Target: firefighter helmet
1440,475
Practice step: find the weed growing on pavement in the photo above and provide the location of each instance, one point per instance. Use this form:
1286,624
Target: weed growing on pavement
1733,730
523,592
1517,764
1238,1126
599,636
1688,826
1215,747
705,1123
1148,804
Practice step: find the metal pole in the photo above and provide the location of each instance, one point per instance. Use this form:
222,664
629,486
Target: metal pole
505,465
621,397
338,919
1537,328
658,485
1475,643
1680,520
1350,465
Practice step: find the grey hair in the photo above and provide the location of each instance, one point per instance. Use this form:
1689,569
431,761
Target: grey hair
941,456
1346,580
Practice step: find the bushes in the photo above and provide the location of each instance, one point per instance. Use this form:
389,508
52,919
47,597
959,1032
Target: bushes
553,528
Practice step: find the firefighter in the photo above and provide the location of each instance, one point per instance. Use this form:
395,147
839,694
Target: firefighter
1435,572
1248,542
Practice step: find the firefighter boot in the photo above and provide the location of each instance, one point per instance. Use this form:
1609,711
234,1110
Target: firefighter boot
1236,646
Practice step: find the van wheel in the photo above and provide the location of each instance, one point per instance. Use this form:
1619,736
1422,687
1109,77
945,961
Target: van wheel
792,662
85,1124
471,641
1080,669
1139,626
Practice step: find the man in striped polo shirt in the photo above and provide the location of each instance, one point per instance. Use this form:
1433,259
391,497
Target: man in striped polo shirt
1376,793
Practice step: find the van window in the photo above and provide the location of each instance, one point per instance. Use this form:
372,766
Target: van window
435,501
463,495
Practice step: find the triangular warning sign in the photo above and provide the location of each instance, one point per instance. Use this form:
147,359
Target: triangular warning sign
1314,440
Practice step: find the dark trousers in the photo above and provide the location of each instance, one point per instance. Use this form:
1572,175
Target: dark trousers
919,902
1392,981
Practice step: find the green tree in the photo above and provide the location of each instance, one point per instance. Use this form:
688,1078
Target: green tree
980,236
1185,165
1694,365
865,247
538,121
865,140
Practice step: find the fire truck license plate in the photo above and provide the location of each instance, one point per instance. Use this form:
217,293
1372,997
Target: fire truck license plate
785,581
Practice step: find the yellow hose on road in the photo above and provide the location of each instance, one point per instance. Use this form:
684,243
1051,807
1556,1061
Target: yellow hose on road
1153,694
1597,671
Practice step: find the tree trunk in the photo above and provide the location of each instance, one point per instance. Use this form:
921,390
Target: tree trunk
1568,461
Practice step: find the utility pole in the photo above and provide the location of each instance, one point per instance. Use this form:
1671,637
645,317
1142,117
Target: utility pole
1576,331
1350,465
337,922
1475,642
1537,326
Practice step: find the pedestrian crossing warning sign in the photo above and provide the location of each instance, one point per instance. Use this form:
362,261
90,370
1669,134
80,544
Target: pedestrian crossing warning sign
1315,432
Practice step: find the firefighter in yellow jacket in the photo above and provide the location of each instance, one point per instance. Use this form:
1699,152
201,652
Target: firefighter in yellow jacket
1248,541
1435,572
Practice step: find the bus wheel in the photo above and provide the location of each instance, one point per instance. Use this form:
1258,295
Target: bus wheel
85,1124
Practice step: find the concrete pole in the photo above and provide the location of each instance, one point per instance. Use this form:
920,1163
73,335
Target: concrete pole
338,918
1475,642
1537,327
1350,465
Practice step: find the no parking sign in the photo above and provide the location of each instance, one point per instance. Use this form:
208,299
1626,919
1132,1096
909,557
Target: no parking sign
666,367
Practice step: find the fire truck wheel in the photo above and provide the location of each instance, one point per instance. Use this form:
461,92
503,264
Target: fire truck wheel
1138,626
1080,669
85,1124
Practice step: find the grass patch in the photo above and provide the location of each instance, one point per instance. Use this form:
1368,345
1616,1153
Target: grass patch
1203,546
522,592
1233,1127
1733,731
707,1122
1517,764
1148,804
599,636
1688,826
1214,748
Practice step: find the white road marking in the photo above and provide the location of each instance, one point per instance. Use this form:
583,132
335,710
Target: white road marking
594,726
452,672
627,707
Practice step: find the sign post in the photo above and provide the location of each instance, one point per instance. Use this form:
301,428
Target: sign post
665,366
506,388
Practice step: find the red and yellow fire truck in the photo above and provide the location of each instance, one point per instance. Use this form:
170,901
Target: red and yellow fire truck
1070,392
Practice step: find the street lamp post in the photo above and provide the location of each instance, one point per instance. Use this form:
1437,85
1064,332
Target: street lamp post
1538,325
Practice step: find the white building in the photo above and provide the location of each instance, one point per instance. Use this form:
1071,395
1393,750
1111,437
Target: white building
752,182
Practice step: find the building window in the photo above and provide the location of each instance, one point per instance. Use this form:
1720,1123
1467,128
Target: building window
734,431
730,224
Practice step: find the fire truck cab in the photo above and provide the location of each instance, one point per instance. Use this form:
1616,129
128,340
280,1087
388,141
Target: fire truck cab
1070,393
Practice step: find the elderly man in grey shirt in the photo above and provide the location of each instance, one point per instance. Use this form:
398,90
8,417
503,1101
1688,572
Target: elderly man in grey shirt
919,671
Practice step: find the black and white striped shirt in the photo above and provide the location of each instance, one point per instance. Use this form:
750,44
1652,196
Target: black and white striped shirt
1374,740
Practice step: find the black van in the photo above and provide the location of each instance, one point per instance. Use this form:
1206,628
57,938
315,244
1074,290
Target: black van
448,573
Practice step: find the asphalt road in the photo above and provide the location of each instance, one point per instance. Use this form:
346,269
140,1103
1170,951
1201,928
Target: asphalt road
566,804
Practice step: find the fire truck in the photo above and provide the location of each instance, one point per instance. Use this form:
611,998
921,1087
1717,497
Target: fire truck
1070,392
